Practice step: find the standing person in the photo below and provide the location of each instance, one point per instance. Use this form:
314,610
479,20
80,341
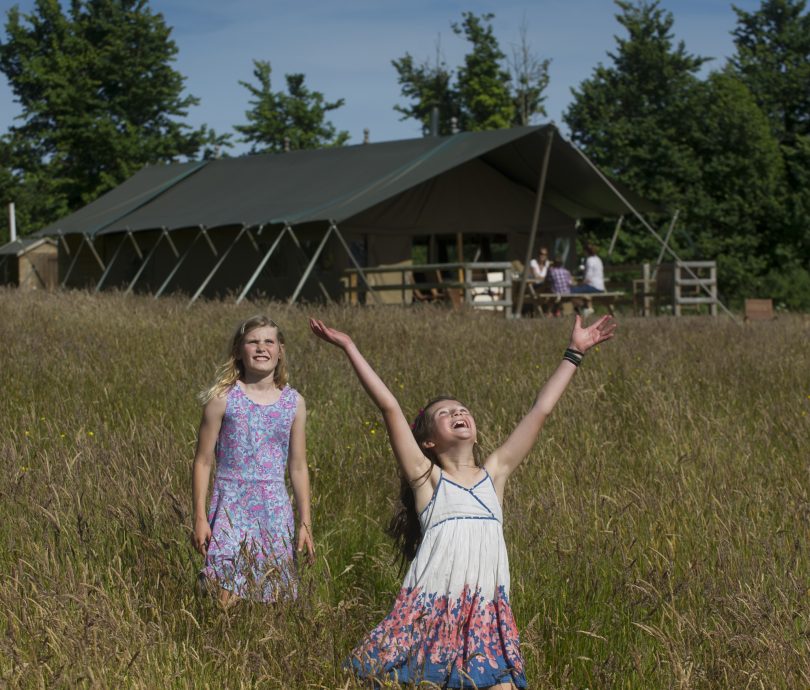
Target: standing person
452,623
539,266
594,278
253,425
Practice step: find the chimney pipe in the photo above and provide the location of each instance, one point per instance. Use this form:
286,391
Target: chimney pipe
434,121
12,222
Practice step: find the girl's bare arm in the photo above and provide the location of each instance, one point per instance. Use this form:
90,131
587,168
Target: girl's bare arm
413,462
212,415
508,457
299,478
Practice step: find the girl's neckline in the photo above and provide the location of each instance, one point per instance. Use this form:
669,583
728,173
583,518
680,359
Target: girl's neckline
239,387
450,479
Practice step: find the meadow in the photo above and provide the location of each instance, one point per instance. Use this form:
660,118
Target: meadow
659,533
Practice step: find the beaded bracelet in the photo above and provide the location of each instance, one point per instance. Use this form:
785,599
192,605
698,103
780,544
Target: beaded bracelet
573,356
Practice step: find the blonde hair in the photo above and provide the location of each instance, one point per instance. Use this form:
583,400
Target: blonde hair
232,369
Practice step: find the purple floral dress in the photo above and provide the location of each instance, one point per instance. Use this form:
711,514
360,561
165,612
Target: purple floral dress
252,528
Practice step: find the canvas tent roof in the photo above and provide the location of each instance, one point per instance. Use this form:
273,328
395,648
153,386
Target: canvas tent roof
21,245
338,184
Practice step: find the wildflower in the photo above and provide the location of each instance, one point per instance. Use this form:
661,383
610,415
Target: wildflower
90,433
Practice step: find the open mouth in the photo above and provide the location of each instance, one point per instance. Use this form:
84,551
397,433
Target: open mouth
460,424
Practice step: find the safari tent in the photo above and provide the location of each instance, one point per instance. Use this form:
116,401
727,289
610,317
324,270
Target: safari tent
289,224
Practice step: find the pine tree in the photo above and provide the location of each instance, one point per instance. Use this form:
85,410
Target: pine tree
486,92
773,59
99,96
296,119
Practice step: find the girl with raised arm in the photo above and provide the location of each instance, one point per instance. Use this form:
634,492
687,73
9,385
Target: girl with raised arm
452,623
253,428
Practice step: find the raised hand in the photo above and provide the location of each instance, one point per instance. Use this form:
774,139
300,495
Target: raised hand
583,339
330,335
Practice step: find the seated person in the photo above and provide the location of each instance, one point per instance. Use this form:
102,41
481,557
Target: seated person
539,266
559,278
431,294
594,280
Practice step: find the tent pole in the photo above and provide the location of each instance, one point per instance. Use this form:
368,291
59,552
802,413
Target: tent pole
210,241
64,242
216,267
145,261
110,264
73,263
666,243
615,235
135,244
298,244
262,264
171,243
310,266
643,221
179,263
541,187
95,253
371,291
253,241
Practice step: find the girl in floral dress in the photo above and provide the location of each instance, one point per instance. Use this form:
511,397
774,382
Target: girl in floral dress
253,426
452,625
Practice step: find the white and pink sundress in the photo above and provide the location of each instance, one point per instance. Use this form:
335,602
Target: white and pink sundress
451,624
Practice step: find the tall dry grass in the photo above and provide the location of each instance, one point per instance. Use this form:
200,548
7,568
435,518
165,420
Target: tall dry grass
658,534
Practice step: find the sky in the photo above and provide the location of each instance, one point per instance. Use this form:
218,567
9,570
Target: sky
345,49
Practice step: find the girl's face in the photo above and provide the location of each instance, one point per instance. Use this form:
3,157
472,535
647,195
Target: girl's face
451,422
260,350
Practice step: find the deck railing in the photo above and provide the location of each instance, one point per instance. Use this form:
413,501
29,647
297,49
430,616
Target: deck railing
478,284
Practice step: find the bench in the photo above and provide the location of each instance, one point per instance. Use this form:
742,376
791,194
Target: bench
543,299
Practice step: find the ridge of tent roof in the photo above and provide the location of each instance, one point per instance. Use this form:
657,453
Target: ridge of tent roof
335,184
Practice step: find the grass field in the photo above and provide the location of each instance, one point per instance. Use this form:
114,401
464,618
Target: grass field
659,534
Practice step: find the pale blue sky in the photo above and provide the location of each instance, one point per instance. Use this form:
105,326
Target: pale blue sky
345,48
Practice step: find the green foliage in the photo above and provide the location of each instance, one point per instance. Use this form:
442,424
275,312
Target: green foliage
486,92
298,116
99,101
773,59
704,147
529,79
482,83
427,86
634,118
657,533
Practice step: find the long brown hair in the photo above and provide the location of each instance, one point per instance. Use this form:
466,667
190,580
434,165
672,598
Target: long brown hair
404,528
232,369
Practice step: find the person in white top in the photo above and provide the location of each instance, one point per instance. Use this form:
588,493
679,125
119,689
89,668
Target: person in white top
539,266
594,280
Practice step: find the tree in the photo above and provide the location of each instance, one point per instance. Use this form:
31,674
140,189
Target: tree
99,96
529,78
729,211
482,82
485,92
773,59
296,119
703,147
428,86
634,118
